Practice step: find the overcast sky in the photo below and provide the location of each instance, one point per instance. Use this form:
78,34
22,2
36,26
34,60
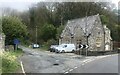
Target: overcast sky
22,5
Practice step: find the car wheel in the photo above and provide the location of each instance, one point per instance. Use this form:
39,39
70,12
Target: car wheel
73,51
50,50
63,51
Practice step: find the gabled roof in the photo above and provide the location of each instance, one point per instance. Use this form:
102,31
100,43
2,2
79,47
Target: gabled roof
86,24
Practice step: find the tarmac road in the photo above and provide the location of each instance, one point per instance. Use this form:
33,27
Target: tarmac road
35,61
46,62
104,65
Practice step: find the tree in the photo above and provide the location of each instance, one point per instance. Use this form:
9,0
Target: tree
59,13
59,31
13,28
104,19
48,32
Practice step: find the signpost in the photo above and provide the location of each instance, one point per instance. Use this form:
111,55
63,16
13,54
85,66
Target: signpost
83,47
16,42
80,46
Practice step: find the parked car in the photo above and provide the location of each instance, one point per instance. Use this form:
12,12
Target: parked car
35,46
52,48
65,48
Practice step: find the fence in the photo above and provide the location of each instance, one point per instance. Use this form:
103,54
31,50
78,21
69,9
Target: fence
116,45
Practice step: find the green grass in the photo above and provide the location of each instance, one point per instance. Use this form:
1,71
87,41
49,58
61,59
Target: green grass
9,61
44,48
17,53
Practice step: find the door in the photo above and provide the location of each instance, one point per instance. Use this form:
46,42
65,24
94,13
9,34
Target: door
107,47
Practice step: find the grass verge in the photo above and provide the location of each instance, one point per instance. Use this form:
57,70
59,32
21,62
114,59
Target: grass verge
44,48
10,63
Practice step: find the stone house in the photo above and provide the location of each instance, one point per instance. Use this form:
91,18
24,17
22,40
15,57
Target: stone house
87,31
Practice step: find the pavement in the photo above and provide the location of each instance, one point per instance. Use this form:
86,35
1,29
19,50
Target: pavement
35,61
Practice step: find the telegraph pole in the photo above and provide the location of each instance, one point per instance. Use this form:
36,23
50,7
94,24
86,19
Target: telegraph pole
36,34
86,33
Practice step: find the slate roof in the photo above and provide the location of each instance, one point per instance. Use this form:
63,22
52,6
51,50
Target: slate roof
86,24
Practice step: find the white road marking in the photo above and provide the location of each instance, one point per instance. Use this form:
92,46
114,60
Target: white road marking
67,68
75,67
70,69
57,60
88,60
66,72
84,60
83,64
22,68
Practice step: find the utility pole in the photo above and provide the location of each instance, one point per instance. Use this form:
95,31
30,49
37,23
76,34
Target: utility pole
61,20
86,33
62,16
36,34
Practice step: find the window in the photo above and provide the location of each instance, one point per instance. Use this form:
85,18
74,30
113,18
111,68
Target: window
79,41
65,46
98,32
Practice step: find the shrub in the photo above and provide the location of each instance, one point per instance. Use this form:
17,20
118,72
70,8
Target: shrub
9,63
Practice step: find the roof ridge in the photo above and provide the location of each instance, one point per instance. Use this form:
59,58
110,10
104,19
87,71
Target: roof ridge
83,17
83,23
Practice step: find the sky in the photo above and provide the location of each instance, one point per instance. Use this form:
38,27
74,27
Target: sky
22,5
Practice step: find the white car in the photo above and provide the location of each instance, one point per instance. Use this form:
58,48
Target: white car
52,48
65,48
35,46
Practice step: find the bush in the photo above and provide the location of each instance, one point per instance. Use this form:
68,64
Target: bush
48,32
49,43
9,61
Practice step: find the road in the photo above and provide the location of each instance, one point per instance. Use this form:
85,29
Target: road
35,61
104,65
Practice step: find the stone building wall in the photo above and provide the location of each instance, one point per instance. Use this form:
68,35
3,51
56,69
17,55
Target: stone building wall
108,39
96,39
88,30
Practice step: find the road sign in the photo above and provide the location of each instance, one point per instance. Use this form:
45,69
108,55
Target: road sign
83,46
16,41
87,46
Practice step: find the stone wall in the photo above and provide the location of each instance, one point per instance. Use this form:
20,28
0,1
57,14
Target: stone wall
108,39
96,39
2,42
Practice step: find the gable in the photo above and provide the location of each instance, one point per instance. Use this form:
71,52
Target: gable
86,25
